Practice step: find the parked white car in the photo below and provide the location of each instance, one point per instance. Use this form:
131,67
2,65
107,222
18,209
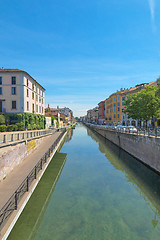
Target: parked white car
131,129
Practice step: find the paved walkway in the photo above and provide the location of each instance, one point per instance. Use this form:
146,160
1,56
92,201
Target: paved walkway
15,178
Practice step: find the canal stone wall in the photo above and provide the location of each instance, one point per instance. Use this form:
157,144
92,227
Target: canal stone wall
144,148
12,155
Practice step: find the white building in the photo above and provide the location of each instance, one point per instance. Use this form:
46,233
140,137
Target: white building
19,93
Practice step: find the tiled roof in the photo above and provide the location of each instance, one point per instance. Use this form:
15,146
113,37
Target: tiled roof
2,70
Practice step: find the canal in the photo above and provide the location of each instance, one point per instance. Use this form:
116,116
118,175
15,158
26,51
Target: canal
102,193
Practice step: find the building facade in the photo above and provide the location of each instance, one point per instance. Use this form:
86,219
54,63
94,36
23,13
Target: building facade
101,112
113,108
20,93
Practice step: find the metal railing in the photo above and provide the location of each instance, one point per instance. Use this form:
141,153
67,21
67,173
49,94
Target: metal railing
12,204
140,131
19,136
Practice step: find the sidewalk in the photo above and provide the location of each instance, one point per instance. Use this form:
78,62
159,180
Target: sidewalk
15,178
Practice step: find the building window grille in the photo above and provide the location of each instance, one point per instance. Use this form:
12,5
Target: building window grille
13,90
0,90
13,80
33,107
0,80
14,105
27,106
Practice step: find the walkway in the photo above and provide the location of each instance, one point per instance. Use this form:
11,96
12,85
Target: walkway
15,178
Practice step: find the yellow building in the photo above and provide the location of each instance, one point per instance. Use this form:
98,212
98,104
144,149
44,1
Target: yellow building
113,108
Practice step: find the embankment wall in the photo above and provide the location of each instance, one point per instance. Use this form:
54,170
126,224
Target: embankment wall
144,148
12,155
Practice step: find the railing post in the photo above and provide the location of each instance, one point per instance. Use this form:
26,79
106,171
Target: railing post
17,136
16,201
35,172
23,135
41,163
27,183
4,138
12,137
155,132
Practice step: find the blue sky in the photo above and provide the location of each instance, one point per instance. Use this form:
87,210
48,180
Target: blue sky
81,51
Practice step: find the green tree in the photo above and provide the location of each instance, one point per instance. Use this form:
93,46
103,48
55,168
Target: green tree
143,105
2,119
158,88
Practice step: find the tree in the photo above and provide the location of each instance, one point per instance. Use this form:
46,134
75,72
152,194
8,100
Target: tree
143,105
158,88
2,119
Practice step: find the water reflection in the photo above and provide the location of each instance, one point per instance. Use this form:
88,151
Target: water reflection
146,181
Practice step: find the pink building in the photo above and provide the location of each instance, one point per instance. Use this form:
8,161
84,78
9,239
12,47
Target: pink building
101,112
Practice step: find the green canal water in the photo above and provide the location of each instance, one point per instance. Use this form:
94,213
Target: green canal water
103,193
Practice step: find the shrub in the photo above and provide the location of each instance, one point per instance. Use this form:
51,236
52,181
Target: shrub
3,128
10,128
2,119
20,126
15,127
29,127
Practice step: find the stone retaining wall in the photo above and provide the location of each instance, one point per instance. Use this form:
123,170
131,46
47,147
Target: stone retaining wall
12,155
144,148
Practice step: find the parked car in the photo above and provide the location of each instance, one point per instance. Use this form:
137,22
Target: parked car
121,128
51,127
131,129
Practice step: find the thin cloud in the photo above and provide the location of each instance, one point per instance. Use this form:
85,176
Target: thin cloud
152,10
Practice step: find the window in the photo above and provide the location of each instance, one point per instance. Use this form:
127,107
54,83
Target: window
118,109
40,109
0,90
13,80
36,108
13,104
114,99
37,99
27,93
122,103
32,95
118,98
13,90
123,98
118,104
33,107
0,80
114,115
42,100
118,115
32,86
27,106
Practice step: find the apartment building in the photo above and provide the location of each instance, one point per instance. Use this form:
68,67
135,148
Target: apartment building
114,105
20,93
113,108
101,112
125,120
